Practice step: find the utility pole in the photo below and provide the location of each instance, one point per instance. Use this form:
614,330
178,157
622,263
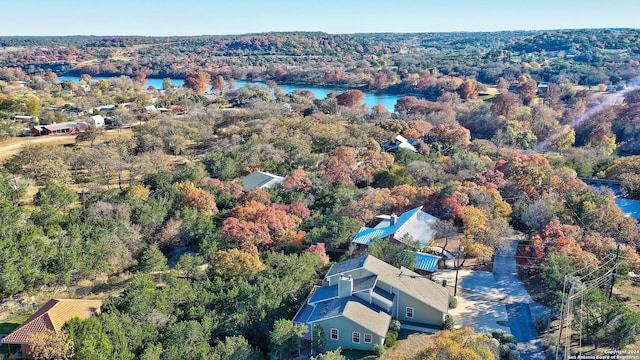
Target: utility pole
455,286
613,272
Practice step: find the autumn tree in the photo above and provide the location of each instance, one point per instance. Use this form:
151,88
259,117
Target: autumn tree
218,84
319,249
140,80
449,137
350,98
343,168
198,81
200,199
460,344
506,104
627,170
234,263
51,345
467,90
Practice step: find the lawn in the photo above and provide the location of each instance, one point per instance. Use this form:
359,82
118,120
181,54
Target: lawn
9,326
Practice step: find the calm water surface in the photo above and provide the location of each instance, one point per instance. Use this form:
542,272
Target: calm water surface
370,99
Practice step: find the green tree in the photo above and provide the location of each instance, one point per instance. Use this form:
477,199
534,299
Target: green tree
152,260
189,265
235,348
286,334
55,196
331,355
396,254
554,269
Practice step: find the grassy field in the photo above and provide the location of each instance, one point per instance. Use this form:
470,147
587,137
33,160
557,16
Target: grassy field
9,326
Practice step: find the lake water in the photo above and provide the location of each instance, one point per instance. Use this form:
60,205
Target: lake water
370,99
629,207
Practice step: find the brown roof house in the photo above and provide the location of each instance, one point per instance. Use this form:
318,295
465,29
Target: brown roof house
52,316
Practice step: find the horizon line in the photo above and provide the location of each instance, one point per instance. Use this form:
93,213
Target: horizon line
319,31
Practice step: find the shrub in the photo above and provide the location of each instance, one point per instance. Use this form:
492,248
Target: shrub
379,350
453,302
509,339
449,322
541,323
390,340
498,334
505,349
394,326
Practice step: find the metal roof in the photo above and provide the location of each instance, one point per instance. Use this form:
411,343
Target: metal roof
414,222
426,262
61,126
260,179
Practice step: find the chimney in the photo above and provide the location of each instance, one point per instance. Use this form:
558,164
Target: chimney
393,219
345,286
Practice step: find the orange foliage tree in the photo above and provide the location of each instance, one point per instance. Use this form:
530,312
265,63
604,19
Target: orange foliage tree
198,81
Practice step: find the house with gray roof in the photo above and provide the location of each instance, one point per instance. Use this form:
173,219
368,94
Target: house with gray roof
361,296
259,179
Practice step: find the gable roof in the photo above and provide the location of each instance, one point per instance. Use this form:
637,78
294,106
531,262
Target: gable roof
61,126
403,279
355,309
52,316
414,222
260,179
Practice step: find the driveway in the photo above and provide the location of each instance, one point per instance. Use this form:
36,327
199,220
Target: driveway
497,300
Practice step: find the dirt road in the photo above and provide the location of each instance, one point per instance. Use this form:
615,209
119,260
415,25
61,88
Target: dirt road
12,146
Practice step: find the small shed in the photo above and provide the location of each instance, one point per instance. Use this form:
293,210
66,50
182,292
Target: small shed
96,120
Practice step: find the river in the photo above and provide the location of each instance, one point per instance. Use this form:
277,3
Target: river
370,99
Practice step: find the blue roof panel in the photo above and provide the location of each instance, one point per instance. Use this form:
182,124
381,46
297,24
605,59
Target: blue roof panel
426,262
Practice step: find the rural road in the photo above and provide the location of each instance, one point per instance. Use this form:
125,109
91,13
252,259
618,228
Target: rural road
12,146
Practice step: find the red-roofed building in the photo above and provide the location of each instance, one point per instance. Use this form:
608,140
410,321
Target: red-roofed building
51,317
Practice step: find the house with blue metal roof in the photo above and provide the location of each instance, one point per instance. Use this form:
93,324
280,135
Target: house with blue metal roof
414,222
359,298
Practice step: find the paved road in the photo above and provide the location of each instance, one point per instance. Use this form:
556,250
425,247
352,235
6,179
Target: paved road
521,309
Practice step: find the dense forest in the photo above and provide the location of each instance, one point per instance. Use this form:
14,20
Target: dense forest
504,125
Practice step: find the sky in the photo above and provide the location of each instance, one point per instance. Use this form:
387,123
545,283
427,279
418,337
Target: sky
216,17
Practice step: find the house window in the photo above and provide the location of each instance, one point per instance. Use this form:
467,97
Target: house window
410,312
367,338
334,334
356,337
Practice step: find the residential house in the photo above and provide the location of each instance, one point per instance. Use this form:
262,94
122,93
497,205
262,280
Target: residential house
361,296
50,317
414,222
259,179
399,142
62,128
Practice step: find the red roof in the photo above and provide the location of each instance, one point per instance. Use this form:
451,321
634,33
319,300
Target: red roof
52,316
